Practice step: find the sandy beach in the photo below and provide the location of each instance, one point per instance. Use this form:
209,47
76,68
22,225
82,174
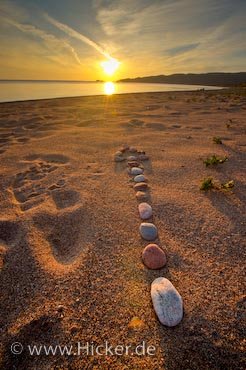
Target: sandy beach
70,248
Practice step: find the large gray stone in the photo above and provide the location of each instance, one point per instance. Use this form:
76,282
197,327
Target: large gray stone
167,302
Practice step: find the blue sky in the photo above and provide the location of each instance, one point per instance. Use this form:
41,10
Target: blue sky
63,39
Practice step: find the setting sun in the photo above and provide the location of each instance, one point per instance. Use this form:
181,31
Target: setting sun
109,88
110,66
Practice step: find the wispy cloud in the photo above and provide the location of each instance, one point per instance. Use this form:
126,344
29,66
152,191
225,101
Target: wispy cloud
79,36
15,16
51,41
172,36
181,49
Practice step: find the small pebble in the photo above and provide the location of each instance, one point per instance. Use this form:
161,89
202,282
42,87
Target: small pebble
141,195
154,257
141,186
143,157
133,164
167,302
148,231
145,211
140,178
136,323
132,158
136,171
60,308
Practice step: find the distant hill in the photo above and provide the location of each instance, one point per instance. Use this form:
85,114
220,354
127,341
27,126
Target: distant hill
208,79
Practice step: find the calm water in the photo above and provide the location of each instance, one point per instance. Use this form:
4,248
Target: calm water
16,91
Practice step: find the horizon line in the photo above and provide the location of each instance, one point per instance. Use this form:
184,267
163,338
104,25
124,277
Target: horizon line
126,78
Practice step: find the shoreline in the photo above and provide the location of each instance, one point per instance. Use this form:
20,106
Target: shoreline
220,88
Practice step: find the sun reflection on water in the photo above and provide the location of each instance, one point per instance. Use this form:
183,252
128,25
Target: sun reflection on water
109,88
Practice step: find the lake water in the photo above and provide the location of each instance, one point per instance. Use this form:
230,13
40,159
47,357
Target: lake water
19,90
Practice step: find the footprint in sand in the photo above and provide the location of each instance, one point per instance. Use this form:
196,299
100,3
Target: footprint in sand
39,330
65,198
68,233
5,141
136,123
30,187
9,235
155,126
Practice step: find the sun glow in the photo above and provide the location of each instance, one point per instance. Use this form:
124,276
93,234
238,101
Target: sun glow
110,66
109,88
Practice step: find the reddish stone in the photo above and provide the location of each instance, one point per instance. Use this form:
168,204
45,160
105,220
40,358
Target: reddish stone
154,257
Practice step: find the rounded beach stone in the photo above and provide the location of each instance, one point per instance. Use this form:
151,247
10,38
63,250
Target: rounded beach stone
132,158
141,195
133,164
145,211
141,186
154,257
140,178
148,231
143,157
132,149
136,171
167,302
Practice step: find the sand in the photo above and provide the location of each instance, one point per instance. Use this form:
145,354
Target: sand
70,250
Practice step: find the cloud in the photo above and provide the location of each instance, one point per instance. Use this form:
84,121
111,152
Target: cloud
72,33
51,41
181,49
15,16
175,35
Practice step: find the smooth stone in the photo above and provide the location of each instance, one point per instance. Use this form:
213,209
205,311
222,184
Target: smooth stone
132,149
148,231
133,164
140,186
117,154
132,158
167,302
141,195
140,178
143,157
145,211
136,171
154,257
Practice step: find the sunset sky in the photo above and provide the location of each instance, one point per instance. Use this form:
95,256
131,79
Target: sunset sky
42,39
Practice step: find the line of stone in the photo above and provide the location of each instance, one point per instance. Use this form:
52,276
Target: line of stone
167,302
